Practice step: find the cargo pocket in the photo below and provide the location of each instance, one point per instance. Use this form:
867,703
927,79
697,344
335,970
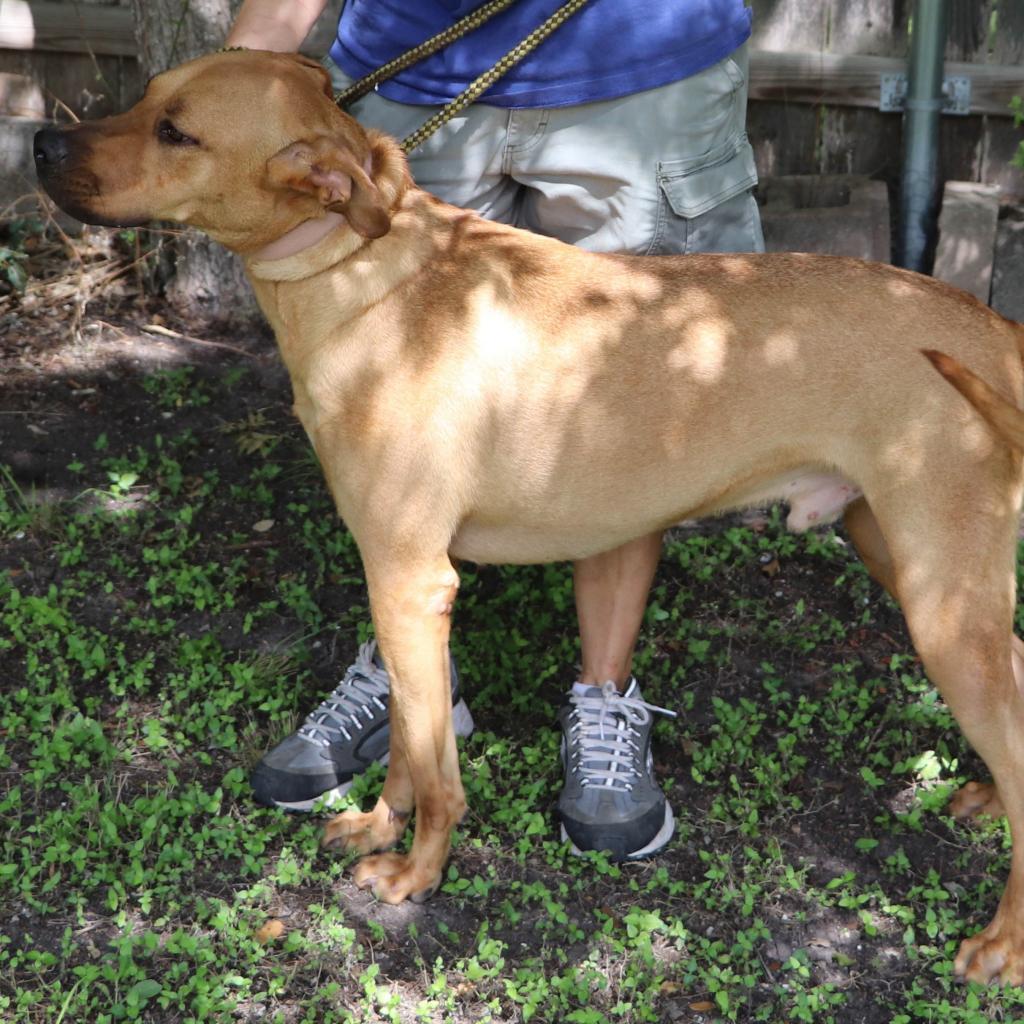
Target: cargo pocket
691,188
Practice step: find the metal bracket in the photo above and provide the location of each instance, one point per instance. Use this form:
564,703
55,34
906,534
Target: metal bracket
956,93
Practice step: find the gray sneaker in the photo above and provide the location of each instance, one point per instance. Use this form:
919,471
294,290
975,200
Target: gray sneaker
610,800
339,739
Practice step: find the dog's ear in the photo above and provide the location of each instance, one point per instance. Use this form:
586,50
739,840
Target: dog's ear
328,170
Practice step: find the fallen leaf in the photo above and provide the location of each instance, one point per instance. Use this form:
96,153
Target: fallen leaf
263,525
273,929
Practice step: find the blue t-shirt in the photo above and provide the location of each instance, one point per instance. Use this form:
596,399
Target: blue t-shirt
610,48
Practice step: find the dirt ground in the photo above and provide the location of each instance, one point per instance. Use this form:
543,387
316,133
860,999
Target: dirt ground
72,360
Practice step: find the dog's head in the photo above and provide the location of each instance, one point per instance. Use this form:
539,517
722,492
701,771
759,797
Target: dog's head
243,144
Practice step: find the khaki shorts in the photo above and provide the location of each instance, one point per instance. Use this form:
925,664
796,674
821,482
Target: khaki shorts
668,170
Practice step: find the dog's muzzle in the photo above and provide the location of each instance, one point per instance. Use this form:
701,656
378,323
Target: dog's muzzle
64,174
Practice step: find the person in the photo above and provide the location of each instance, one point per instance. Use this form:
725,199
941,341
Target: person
622,132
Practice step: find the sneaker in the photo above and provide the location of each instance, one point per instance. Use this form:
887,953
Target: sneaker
610,800
347,733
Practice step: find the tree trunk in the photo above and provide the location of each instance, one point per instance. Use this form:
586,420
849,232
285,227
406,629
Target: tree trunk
207,283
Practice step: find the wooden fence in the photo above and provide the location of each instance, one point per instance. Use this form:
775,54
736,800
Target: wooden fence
800,127
815,67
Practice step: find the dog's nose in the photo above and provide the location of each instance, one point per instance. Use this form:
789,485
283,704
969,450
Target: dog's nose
50,148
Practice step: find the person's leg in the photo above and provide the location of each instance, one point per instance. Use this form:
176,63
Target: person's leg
669,170
611,597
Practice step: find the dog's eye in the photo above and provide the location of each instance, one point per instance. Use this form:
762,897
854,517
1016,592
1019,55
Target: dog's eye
166,132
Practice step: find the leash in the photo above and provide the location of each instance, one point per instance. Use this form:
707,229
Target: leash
479,85
358,89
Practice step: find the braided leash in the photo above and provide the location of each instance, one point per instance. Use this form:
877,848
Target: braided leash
358,89
479,85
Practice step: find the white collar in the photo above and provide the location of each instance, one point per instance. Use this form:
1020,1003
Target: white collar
305,250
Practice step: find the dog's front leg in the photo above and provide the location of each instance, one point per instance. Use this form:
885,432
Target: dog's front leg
411,606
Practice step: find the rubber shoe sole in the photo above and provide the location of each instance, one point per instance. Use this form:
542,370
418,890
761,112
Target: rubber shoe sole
462,720
664,834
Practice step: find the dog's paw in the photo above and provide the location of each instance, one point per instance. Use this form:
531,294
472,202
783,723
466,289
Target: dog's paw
994,955
976,800
357,832
394,877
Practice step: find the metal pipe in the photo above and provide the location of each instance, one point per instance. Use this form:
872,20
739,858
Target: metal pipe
920,180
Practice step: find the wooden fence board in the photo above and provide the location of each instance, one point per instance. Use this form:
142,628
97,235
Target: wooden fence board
875,28
961,147
855,80
854,141
784,137
790,25
67,28
967,36
1008,38
90,86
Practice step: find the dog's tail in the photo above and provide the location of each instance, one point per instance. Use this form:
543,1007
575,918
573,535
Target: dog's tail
1004,417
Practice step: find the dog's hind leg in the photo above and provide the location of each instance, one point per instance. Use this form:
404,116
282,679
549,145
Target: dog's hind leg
981,799
975,798
411,604
952,565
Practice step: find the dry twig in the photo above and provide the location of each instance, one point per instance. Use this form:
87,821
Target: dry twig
168,333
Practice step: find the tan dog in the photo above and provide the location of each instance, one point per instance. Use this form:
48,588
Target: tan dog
478,392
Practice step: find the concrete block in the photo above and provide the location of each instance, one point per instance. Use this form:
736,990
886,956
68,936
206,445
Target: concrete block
841,214
1008,264
967,235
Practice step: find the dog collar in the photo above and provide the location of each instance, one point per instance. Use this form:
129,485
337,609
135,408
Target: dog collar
303,236
305,251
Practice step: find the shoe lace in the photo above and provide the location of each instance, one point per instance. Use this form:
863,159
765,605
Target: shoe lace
350,704
604,736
